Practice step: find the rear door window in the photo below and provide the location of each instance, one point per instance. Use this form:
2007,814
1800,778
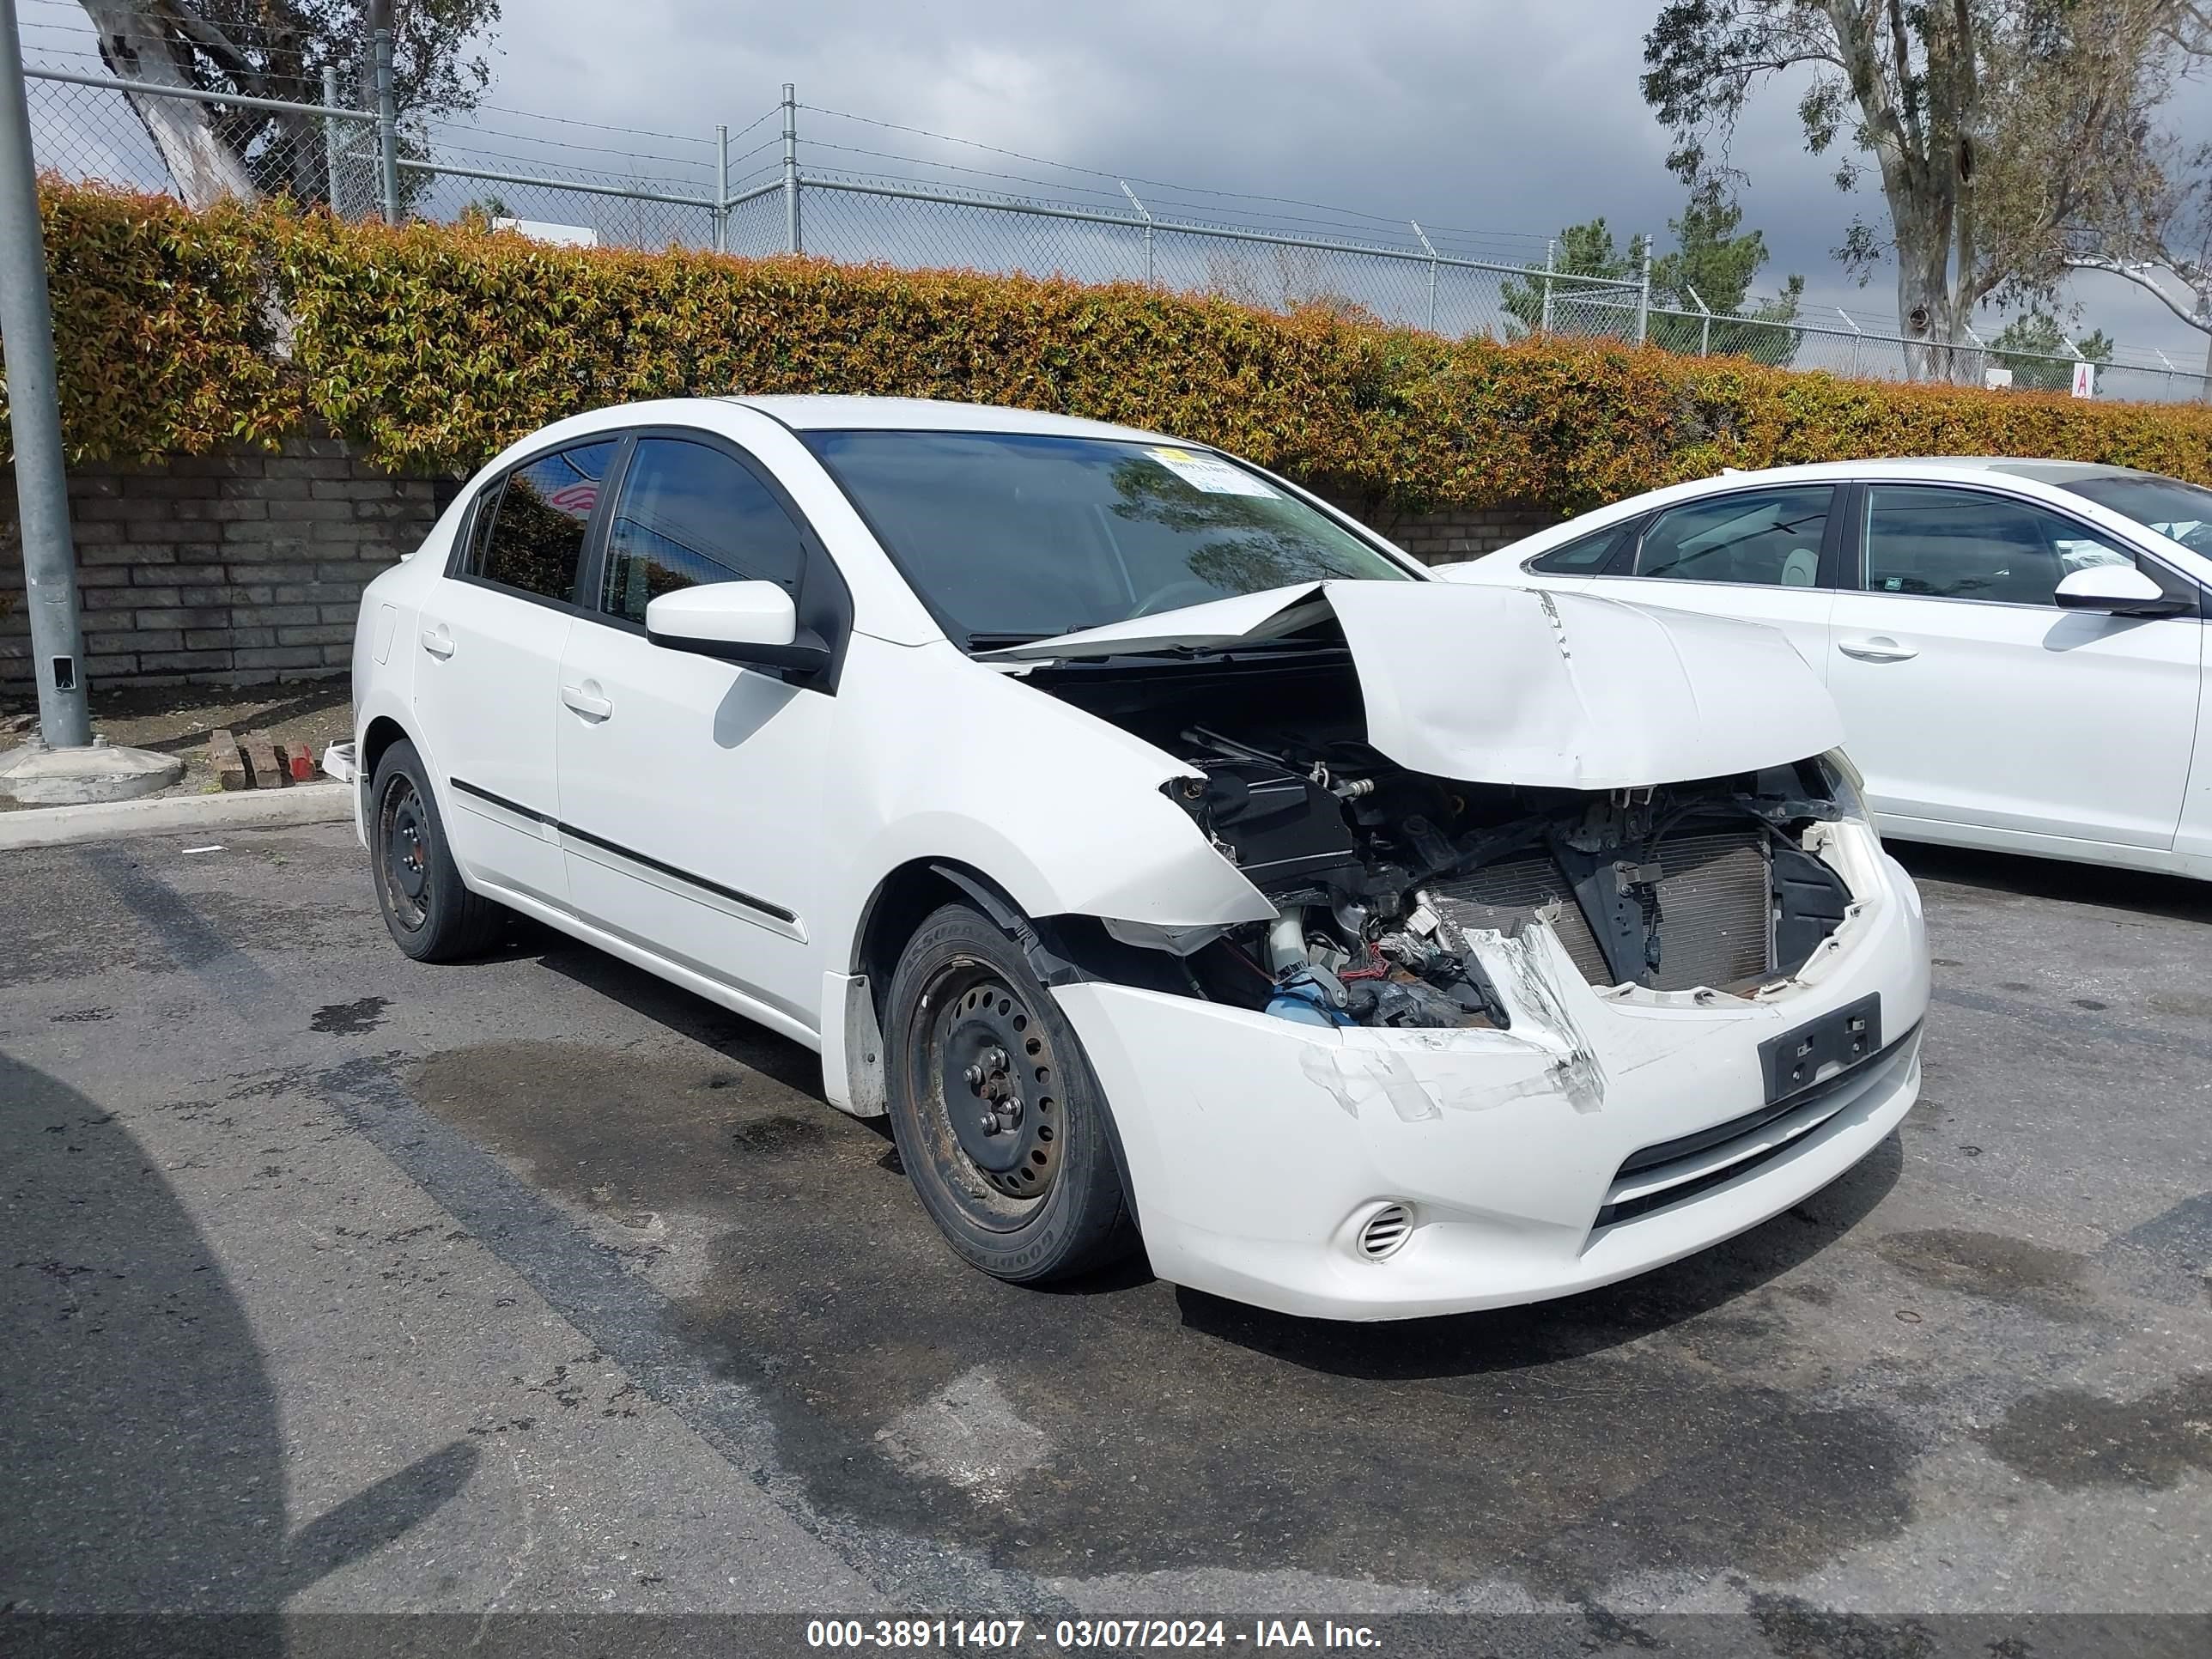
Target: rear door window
1761,537
529,530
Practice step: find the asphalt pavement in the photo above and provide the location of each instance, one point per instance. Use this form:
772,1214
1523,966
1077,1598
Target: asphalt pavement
339,1284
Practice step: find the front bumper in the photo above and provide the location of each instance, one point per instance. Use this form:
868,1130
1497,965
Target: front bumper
1257,1148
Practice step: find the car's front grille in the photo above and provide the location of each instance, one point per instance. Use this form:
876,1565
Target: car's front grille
1716,909
1701,1161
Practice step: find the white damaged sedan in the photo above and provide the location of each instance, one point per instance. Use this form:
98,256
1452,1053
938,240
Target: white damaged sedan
1169,856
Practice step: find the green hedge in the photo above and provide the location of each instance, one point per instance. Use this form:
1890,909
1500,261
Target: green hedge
435,345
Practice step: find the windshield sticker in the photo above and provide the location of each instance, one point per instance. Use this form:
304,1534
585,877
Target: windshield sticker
1213,476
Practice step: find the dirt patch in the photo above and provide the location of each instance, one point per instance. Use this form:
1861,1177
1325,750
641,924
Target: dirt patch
349,1018
2188,1005
1992,1266
2072,1439
178,720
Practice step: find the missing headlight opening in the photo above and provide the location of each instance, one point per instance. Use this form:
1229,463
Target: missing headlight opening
1378,872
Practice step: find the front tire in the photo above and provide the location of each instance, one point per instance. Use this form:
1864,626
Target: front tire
432,914
999,1120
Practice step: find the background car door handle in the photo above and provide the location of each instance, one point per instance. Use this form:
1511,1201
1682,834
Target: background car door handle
585,701
438,639
1879,648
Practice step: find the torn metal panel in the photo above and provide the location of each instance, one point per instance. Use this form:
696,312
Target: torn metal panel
1541,691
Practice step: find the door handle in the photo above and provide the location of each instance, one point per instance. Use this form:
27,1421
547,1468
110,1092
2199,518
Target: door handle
1879,649
438,639
586,699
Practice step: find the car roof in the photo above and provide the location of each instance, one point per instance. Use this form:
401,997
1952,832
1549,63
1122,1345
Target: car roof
845,414
1907,466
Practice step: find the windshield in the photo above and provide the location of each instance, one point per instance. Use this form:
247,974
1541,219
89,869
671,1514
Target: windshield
1009,538
2181,511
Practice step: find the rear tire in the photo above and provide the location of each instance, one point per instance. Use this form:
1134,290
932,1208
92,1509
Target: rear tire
999,1122
432,914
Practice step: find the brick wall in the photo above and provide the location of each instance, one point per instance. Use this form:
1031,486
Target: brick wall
222,568
1463,533
238,568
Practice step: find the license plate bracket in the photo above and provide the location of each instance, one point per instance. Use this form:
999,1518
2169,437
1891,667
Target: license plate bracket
1846,1036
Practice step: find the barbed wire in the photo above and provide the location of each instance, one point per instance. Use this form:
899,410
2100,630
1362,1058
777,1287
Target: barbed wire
1161,184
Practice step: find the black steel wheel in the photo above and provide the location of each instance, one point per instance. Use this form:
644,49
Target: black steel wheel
401,839
432,914
999,1122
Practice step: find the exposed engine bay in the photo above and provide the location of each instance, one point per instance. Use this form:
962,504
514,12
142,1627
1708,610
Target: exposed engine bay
1376,870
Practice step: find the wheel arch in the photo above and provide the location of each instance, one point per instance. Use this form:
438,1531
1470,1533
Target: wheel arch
376,737
895,911
904,898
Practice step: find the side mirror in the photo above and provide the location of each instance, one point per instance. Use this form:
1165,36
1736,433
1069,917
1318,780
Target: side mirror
2119,589
750,623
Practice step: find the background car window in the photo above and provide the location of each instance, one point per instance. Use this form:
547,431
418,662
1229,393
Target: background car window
536,527
1769,538
1964,544
1581,556
688,515
2181,511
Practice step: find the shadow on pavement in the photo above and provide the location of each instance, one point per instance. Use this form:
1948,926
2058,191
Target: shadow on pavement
2176,897
143,1451
732,1036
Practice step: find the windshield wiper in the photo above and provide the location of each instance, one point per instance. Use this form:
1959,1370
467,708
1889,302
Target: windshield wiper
989,640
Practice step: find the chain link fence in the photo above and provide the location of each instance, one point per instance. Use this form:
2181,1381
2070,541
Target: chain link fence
937,202
184,141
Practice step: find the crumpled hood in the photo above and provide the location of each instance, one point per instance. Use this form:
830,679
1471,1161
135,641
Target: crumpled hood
1508,685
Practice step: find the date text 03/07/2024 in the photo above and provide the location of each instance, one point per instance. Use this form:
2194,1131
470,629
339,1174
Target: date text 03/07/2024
1110,1634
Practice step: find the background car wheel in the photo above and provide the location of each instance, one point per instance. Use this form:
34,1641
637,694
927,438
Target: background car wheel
999,1120
431,913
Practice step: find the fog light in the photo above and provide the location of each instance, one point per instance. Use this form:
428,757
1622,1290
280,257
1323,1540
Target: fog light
1383,1234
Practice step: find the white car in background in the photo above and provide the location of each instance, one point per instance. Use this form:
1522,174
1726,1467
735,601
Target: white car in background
1143,837
2018,646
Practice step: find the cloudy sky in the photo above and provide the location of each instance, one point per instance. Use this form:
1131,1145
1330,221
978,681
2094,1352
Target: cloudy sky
1508,116
1502,119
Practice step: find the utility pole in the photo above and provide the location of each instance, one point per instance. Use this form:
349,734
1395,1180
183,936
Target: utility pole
64,766
34,417
1551,251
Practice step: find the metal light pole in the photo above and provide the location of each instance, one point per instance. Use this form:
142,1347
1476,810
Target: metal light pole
34,417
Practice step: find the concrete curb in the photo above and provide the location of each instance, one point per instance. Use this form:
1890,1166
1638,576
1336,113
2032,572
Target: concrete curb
60,826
